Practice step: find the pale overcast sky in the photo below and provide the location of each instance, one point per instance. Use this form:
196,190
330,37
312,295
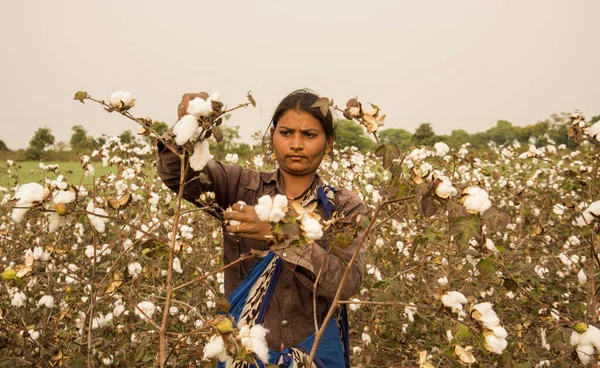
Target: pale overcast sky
456,64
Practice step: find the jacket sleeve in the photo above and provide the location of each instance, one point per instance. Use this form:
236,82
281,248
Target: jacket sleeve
224,178
330,259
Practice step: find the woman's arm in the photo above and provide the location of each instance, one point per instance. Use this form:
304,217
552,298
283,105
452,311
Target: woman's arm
307,261
219,178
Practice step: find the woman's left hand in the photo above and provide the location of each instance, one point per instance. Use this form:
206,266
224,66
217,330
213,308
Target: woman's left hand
251,226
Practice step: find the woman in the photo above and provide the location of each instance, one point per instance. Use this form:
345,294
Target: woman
301,136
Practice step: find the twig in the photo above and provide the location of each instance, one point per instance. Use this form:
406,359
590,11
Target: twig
338,293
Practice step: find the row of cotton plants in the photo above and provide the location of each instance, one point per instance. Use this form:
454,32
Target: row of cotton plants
479,258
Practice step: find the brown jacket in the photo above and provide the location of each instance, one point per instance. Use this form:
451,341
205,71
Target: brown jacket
289,317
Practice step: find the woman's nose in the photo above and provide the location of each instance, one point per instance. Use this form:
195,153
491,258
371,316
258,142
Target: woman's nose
297,142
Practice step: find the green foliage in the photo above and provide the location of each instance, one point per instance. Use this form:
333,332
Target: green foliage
424,135
229,144
3,146
127,137
80,141
349,133
160,127
42,138
402,138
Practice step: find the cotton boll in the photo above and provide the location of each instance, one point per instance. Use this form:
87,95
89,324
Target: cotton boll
582,277
199,107
441,149
311,227
177,265
201,155
27,194
46,301
500,332
585,352
185,129
215,348
494,344
594,131
476,200
280,201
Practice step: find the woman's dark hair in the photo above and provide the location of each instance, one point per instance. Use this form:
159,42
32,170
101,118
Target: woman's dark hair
302,100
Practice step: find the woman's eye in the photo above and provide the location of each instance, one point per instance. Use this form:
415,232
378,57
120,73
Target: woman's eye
284,133
310,135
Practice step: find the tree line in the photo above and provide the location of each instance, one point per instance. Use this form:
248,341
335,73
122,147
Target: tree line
348,133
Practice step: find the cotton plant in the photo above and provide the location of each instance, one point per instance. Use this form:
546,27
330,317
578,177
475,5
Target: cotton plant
247,343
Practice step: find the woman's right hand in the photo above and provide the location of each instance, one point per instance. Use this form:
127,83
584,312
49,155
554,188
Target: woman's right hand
185,100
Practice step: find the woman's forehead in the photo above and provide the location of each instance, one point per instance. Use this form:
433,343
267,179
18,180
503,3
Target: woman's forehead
298,119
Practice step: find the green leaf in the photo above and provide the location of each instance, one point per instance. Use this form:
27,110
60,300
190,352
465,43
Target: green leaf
344,239
389,152
462,335
495,219
465,228
80,96
486,268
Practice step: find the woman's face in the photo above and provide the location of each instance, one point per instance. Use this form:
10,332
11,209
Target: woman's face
299,143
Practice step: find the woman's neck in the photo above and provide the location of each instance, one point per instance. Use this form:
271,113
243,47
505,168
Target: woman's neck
296,186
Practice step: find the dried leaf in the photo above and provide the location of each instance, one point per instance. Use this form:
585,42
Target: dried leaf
323,104
217,134
251,99
428,206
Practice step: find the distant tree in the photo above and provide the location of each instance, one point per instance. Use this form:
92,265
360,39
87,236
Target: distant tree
80,141
61,146
127,137
3,146
41,139
400,137
159,127
349,133
424,135
503,132
229,144
457,138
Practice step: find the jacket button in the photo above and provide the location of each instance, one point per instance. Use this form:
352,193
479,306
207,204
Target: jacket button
284,323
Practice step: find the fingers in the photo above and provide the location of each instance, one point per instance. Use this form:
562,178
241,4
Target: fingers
243,228
242,207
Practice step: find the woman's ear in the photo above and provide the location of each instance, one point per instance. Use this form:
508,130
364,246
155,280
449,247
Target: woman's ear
272,131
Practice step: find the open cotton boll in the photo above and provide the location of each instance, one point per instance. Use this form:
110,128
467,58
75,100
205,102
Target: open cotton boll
185,129
201,155
121,99
63,196
280,201
276,214
215,348
254,340
99,223
594,131
199,107
441,149
476,200
46,301
500,332
494,344
445,189
27,194
311,227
